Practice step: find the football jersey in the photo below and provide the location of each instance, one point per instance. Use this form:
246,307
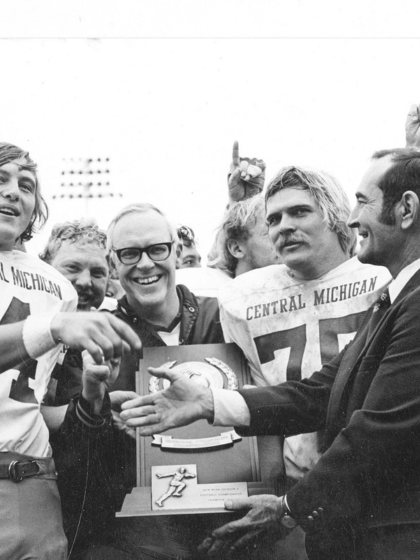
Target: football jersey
28,286
288,328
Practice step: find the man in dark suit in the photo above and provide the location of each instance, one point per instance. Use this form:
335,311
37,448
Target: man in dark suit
362,499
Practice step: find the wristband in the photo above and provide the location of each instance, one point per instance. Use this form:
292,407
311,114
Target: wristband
36,335
85,414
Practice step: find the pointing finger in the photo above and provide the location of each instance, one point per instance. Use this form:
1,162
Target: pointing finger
235,154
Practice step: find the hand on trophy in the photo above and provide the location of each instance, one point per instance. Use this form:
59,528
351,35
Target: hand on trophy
182,403
263,519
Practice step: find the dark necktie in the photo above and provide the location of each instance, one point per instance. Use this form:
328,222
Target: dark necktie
379,310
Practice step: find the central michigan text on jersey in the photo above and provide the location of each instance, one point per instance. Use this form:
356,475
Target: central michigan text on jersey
280,345
320,297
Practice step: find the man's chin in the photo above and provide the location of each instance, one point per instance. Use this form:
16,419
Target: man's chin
364,257
294,261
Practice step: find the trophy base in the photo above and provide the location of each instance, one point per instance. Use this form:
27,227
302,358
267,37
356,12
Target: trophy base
139,503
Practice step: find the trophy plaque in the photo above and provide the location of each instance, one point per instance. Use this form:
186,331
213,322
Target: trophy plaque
193,469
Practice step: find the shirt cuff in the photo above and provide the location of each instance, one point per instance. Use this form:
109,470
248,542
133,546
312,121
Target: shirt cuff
230,409
84,412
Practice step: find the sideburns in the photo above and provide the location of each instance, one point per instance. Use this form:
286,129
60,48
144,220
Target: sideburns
387,216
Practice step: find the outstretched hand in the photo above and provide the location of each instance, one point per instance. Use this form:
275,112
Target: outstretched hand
183,402
263,518
412,127
246,177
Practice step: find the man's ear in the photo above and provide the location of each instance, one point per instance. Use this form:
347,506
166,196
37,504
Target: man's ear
178,253
112,268
408,209
178,250
236,248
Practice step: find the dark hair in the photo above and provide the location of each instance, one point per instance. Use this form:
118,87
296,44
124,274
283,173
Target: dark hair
9,153
402,176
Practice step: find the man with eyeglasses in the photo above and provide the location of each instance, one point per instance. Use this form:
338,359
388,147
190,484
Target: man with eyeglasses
143,249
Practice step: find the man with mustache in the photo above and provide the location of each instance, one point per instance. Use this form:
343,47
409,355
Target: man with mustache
291,318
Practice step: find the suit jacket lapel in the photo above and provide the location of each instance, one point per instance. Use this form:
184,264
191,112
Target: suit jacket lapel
351,359
354,355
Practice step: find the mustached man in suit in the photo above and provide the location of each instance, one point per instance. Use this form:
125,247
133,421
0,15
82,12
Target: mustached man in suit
362,499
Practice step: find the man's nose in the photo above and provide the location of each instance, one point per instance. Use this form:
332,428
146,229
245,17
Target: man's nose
11,190
287,224
84,279
353,219
145,261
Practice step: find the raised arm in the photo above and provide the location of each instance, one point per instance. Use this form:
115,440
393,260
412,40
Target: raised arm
246,178
412,127
101,334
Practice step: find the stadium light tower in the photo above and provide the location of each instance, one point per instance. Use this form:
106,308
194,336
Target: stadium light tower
86,178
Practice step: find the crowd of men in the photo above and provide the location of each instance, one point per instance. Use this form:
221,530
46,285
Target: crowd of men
329,330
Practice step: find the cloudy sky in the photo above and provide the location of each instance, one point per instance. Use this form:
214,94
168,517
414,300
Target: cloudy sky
165,91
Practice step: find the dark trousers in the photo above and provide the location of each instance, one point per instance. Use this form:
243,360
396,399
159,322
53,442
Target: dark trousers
345,542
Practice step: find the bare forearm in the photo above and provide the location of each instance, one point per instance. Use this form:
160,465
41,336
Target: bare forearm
12,348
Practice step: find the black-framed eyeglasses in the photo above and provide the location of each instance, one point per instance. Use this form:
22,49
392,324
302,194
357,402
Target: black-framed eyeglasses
132,255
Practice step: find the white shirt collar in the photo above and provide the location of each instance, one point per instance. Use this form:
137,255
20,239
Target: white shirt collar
401,280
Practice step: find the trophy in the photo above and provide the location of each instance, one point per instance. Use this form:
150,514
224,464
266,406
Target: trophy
195,468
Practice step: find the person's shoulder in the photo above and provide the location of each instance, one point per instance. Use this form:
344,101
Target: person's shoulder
192,302
202,281
34,265
258,279
355,268
28,261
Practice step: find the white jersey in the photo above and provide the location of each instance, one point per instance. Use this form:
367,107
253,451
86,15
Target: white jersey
28,286
203,281
289,328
